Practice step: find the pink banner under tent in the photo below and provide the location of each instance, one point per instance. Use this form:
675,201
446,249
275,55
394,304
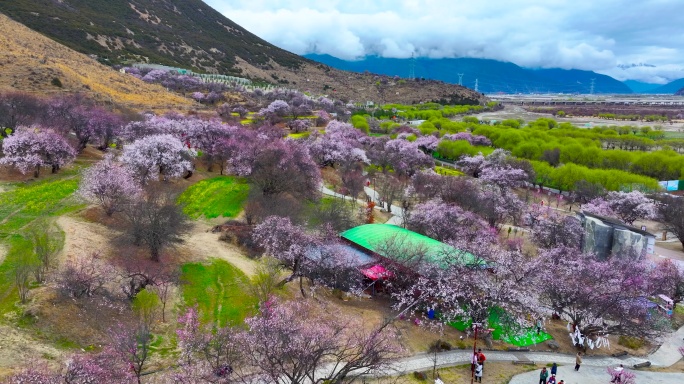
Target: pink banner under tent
376,272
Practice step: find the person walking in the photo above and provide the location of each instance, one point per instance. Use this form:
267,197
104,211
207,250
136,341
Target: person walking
478,373
539,325
554,369
543,376
578,361
617,374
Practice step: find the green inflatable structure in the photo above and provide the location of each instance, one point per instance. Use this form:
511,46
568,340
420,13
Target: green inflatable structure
507,331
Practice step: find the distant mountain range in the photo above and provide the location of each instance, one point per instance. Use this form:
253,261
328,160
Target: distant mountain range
494,76
648,88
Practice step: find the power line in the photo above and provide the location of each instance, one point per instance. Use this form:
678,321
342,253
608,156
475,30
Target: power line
591,87
476,85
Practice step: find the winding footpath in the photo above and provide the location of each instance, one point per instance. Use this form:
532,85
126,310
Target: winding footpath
593,369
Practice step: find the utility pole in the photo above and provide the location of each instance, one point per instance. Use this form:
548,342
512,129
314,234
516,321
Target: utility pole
460,79
477,327
476,85
591,87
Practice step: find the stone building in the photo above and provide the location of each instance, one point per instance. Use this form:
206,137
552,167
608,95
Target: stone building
606,236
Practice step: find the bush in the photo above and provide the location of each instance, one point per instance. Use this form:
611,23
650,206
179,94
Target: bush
422,376
56,82
631,342
239,234
439,346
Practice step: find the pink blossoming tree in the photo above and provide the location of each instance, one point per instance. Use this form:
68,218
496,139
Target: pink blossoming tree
109,184
31,148
156,155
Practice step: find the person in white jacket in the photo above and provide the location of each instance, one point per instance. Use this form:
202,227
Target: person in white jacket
478,373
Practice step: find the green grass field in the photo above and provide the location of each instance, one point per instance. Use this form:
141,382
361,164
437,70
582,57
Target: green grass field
20,205
218,196
218,291
448,171
300,135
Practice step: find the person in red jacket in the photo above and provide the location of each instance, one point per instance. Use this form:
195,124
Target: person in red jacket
481,358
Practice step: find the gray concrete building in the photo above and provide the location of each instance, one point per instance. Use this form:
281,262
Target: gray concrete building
606,237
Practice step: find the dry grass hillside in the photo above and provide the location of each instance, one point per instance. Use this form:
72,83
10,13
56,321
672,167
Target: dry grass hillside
320,79
190,34
30,61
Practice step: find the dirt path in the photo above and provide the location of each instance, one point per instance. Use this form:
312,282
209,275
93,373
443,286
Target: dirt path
17,348
82,237
3,253
205,244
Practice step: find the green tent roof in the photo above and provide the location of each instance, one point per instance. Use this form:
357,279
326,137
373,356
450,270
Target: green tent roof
372,236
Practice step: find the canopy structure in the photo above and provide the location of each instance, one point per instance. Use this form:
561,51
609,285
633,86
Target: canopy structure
373,237
377,272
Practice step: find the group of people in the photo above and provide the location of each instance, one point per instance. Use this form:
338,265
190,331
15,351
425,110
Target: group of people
544,376
477,365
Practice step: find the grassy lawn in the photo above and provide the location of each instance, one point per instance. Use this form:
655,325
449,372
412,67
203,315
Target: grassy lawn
217,290
20,205
218,196
300,135
447,171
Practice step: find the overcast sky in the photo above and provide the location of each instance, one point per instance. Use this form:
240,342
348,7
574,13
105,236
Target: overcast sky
599,35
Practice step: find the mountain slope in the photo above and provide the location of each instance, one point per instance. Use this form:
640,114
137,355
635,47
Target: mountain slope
669,88
185,33
30,62
190,34
640,87
492,76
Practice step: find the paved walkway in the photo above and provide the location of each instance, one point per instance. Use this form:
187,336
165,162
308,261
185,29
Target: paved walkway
593,367
595,375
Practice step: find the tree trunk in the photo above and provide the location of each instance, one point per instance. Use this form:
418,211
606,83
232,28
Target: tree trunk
154,254
301,286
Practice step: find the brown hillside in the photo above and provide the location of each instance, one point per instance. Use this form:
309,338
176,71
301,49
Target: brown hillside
190,34
30,61
359,87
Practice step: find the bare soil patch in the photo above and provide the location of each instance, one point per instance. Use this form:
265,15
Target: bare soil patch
82,237
17,348
202,244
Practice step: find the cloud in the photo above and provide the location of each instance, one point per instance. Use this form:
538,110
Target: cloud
577,34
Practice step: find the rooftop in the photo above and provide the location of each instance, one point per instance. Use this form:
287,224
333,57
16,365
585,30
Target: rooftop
372,237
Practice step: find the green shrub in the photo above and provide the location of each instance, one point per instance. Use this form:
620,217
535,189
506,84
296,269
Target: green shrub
631,342
56,82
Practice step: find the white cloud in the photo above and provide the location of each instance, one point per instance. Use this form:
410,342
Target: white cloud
570,34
